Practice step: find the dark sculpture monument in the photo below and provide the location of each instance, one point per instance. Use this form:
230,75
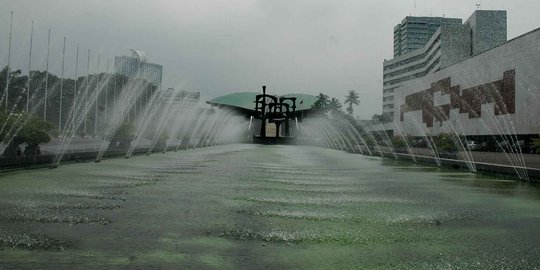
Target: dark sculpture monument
279,111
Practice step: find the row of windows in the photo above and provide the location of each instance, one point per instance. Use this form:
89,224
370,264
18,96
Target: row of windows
388,99
415,58
414,76
389,90
415,67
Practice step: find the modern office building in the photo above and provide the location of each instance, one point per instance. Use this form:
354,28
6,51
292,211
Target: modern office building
414,32
450,43
137,66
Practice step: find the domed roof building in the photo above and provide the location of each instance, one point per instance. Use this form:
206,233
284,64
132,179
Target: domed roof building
244,102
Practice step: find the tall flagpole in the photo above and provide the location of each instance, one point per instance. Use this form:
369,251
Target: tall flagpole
114,91
107,88
9,61
29,68
97,97
86,91
61,87
75,90
47,77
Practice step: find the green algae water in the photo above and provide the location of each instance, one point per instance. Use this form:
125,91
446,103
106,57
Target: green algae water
265,207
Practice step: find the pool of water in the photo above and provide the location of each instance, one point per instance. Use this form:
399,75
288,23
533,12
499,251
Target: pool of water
265,207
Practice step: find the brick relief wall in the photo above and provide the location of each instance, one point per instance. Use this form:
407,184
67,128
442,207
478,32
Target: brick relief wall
502,93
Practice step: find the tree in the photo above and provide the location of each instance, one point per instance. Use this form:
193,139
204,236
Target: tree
352,98
398,142
445,143
380,118
322,104
19,128
334,105
377,118
17,89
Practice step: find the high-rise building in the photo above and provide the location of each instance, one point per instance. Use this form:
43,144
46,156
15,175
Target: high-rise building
137,66
414,32
450,43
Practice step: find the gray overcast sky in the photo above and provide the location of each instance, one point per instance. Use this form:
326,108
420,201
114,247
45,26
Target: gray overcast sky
219,47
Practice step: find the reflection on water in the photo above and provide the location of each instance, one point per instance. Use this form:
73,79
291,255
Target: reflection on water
260,207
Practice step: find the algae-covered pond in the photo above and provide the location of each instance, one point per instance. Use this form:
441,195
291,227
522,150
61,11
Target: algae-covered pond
265,207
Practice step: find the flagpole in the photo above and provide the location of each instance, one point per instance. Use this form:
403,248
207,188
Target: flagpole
97,97
107,88
62,87
86,91
29,68
47,76
75,89
9,61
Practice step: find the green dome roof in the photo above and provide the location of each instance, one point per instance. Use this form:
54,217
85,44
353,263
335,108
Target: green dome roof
246,100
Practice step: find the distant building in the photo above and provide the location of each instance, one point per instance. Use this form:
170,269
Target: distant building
417,56
181,98
137,66
414,32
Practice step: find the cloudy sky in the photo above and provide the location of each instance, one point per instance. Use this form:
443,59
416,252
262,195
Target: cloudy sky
223,46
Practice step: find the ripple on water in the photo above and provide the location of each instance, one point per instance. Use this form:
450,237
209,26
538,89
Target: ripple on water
305,181
432,218
300,214
32,241
324,200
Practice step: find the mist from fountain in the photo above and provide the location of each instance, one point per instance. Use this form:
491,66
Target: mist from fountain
386,139
145,119
429,142
77,116
405,138
164,119
20,122
174,133
356,134
129,95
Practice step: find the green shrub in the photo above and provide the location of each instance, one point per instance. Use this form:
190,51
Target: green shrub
398,142
445,143
370,142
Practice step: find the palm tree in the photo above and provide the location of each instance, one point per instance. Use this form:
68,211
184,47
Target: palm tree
334,105
322,103
351,98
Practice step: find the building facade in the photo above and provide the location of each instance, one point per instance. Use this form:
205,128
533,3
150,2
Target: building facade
137,66
181,98
414,32
450,42
496,92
